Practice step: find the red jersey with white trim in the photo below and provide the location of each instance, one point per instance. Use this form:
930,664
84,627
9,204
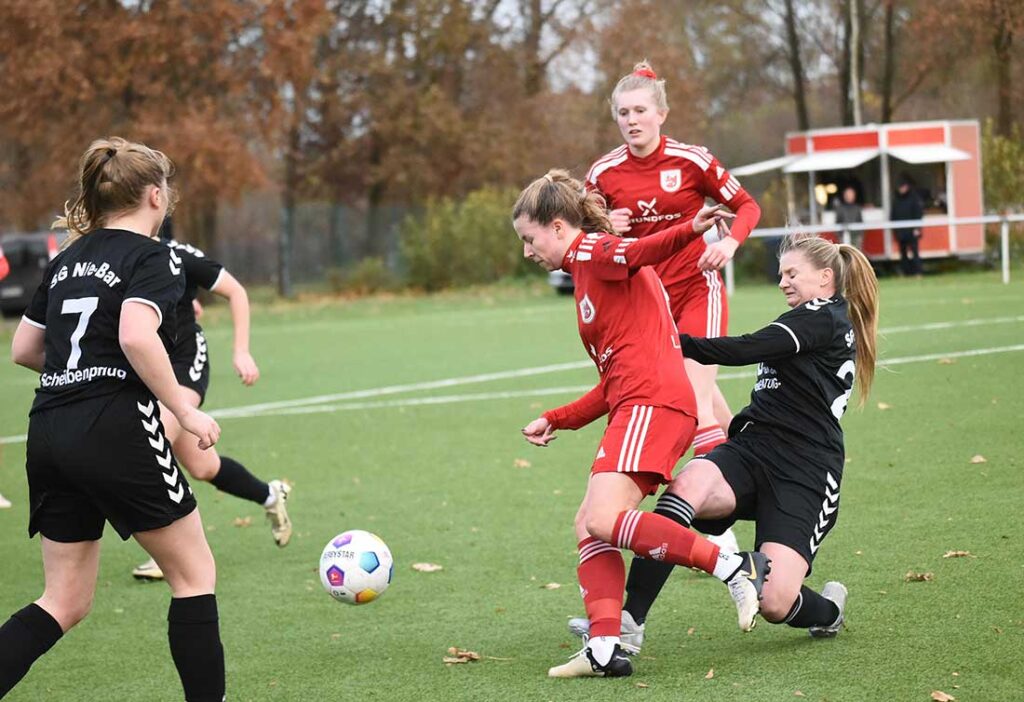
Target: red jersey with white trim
667,187
627,328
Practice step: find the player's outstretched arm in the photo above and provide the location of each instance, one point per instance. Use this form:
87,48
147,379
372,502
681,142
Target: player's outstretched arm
29,346
658,247
771,343
579,413
229,288
145,352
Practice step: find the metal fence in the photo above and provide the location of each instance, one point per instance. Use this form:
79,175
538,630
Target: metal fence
328,237
846,230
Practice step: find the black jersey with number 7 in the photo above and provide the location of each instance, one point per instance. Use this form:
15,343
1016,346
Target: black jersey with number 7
78,304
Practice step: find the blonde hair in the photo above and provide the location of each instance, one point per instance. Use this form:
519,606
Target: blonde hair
557,195
113,176
642,77
856,281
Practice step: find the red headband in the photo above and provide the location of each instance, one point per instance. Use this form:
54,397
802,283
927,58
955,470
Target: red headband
646,73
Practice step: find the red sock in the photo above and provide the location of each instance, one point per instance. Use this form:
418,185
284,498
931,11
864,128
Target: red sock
653,536
707,438
602,578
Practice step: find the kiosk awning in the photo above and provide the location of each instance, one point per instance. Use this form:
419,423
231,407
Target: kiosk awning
772,164
831,160
929,153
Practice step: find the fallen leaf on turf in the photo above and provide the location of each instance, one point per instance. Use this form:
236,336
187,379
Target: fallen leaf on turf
958,554
884,406
689,632
427,567
912,577
643,686
496,658
799,694
978,458
521,463
564,645
940,696
947,361
460,655
997,630
711,674
956,674
242,521
551,586
335,637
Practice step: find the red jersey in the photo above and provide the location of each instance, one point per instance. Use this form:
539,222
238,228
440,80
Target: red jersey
626,326
667,187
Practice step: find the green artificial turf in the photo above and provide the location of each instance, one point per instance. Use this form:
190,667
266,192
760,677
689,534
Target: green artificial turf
452,482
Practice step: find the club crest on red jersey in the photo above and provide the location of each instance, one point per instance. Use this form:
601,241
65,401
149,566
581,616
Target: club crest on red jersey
587,310
671,180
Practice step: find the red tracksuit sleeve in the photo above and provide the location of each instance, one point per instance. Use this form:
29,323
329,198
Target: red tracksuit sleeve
579,413
724,188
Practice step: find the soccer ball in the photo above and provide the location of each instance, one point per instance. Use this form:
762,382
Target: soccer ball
356,567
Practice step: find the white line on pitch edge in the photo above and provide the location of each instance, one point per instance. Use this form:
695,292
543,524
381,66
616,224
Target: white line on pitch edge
319,404
510,394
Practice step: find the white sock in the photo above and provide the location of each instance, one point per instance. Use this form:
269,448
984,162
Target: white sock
602,647
271,499
727,565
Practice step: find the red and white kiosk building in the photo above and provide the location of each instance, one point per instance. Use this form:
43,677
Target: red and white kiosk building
942,157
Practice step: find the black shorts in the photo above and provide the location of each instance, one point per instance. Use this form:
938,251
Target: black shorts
103,459
791,493
191,362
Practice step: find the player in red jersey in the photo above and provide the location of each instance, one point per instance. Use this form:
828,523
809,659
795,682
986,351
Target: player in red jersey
652,182
627,328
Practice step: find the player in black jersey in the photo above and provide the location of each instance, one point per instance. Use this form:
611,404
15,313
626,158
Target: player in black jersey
190,360
782,465
97,331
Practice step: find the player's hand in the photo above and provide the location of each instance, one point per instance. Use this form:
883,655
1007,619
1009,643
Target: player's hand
197,309
620,219
202,425
718,254
246,368
539,432
709,216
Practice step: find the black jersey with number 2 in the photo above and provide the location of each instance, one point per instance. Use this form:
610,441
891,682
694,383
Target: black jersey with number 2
806,360
79,302
201,271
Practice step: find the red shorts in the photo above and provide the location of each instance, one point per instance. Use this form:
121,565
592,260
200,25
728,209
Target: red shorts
645,442
701,307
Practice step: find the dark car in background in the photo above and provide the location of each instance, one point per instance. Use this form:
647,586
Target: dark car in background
23,258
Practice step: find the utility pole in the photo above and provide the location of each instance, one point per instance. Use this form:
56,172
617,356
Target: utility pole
855,61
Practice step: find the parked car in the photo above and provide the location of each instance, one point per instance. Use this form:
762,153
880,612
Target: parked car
561,282
23,258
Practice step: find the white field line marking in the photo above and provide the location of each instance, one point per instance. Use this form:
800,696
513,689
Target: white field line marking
951,325
395,389
318,405
510,394
519,373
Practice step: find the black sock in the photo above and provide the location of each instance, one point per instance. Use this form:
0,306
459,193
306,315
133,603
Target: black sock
27,635
194,635
811,609
234,479
646,576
